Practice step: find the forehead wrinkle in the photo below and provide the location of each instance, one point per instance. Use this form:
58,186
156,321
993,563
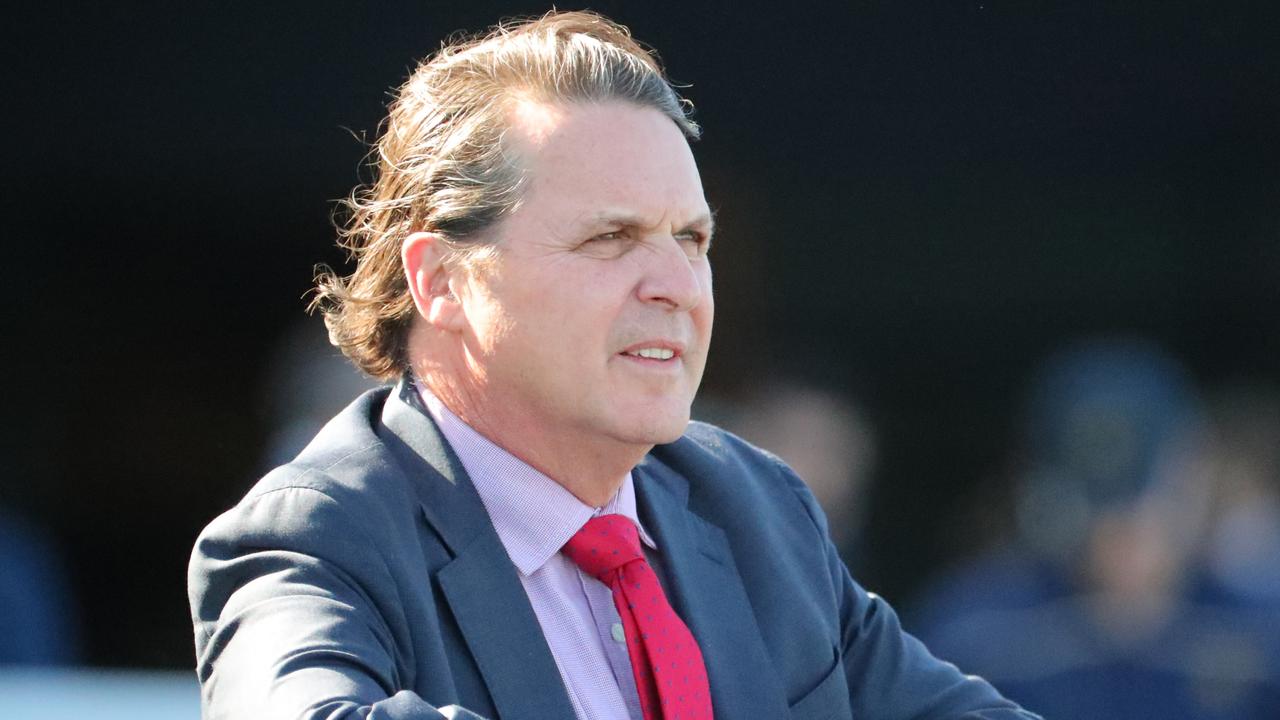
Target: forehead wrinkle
631,219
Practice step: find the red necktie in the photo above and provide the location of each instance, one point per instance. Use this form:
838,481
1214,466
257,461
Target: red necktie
666,661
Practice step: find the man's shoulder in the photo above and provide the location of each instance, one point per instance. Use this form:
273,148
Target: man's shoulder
716,461
771,521
346,471
346,436
705,446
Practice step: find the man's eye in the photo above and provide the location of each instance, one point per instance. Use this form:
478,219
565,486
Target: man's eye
609,244
613,237
695,243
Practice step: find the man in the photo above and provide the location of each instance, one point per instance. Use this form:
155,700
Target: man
532,266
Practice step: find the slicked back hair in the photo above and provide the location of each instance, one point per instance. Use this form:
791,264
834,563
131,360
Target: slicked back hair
440,164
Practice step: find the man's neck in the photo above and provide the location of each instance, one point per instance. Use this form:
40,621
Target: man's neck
592,469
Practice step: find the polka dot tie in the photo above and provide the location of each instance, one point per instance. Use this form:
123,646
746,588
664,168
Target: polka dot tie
666,661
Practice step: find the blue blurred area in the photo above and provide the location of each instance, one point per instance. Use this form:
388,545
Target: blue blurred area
1105,602
38,623
73,694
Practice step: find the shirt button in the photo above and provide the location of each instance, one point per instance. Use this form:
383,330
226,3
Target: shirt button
618,634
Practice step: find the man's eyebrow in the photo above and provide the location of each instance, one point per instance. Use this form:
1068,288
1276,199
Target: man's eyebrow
705,220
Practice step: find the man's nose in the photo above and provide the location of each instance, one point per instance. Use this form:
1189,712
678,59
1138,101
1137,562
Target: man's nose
670,276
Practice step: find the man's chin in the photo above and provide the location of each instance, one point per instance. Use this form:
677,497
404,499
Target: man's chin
660,431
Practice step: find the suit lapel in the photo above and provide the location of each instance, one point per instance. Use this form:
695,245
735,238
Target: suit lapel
503,634
708,594
480,584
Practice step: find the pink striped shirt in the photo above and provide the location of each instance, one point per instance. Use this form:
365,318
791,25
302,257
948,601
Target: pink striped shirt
535,517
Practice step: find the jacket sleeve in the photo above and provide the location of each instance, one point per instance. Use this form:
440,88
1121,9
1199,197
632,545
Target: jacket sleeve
289,599
890,674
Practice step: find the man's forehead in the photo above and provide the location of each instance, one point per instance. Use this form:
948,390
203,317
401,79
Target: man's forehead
605,163
534,121
606,129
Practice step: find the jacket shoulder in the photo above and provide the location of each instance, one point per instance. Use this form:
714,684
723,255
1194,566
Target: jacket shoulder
342,502
728,475
343,484
713,454
347,462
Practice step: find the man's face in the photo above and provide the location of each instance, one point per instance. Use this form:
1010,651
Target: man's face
593,318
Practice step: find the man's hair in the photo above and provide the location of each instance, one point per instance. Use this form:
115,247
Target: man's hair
441,166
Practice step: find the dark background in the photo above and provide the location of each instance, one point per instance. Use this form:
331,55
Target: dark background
917,202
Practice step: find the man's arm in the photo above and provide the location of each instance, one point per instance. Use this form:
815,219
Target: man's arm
288,595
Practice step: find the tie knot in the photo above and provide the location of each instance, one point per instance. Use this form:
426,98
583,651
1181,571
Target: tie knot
604,544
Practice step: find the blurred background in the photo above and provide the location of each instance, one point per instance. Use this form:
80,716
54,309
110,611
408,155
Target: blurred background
1001,279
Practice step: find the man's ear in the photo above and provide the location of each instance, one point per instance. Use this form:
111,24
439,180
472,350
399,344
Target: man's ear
428,276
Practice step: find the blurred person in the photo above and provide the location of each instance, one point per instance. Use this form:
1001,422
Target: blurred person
1243,550
37,618
1089,611
527,525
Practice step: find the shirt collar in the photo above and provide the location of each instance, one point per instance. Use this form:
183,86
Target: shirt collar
533,514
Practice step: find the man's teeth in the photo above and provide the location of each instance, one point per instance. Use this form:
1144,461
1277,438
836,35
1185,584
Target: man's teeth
654,353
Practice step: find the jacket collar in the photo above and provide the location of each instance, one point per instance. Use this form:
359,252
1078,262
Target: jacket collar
480,584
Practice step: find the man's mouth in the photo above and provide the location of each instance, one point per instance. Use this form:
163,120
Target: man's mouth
652,353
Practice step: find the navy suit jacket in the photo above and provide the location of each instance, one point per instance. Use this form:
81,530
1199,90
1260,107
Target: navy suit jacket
365,580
